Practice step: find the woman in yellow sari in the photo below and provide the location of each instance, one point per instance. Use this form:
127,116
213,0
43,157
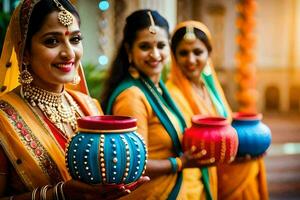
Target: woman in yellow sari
37,118
194,86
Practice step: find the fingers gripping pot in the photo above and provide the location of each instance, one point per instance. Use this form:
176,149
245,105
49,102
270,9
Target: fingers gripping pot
106,149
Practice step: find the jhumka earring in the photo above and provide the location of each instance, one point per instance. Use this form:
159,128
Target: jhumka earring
64,16
25,77
189,34
152,27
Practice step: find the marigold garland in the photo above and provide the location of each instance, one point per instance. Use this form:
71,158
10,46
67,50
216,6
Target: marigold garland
246,71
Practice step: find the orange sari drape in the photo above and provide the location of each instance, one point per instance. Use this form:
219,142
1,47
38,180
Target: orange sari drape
243,180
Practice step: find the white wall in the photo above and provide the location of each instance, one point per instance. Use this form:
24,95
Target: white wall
273,31
89,13
229,45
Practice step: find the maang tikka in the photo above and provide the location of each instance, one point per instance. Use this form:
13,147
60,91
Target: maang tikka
64,16
189,34
152,27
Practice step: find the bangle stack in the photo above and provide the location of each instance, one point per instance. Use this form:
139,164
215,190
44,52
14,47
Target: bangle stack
57,190
176,164
43,192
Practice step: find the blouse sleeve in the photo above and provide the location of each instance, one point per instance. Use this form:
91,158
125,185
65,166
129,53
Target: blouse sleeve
132,102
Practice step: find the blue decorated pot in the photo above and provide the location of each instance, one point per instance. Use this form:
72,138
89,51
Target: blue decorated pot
107,150
254,136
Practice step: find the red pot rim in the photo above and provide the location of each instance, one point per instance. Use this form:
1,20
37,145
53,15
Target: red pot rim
209,120
107,122
243,116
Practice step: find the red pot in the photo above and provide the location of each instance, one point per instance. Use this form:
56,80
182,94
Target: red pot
214,136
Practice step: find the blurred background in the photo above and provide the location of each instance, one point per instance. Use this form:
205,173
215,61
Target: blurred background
256,52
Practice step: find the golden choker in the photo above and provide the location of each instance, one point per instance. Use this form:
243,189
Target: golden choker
52,106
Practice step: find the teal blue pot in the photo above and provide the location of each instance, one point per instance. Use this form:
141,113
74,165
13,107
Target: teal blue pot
254,136
106,150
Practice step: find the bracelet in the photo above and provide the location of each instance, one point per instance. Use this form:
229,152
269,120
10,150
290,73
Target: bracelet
62,191
56,190
179,164
33,194
43,192
174,164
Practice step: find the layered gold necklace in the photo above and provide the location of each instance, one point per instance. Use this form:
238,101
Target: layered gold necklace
52,106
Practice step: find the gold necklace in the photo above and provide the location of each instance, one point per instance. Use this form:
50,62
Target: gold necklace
52,106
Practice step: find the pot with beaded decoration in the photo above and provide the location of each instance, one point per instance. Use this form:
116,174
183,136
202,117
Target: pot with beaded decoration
106,150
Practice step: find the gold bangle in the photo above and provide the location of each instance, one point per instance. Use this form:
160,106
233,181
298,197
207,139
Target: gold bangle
33,194
62,191
43,192
56,190
179,164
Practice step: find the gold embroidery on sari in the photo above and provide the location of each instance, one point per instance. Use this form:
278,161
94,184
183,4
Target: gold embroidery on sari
34,147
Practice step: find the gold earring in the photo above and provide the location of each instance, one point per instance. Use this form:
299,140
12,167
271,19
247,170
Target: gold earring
25,77
76,79
133,72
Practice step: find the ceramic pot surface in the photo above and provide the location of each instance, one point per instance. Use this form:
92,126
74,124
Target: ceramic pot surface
106,149
214,136
254,136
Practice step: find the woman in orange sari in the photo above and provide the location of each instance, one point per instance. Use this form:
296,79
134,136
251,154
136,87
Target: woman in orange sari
37,118
134,88
194,86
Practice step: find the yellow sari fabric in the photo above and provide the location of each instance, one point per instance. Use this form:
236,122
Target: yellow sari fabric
192,177
29,144
158,142
243,180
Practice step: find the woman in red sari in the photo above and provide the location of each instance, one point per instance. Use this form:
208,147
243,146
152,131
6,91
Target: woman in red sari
38,117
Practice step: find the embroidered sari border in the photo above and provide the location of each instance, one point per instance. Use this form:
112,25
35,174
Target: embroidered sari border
31,142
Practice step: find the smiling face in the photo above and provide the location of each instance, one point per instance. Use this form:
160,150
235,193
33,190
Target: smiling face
191,57
149,52
55,53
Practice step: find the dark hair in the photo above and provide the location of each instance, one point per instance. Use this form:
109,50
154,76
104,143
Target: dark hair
40,12
179,34
135,22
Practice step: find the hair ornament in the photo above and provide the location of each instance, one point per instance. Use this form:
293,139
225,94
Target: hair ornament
189,34
152,28
64,16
